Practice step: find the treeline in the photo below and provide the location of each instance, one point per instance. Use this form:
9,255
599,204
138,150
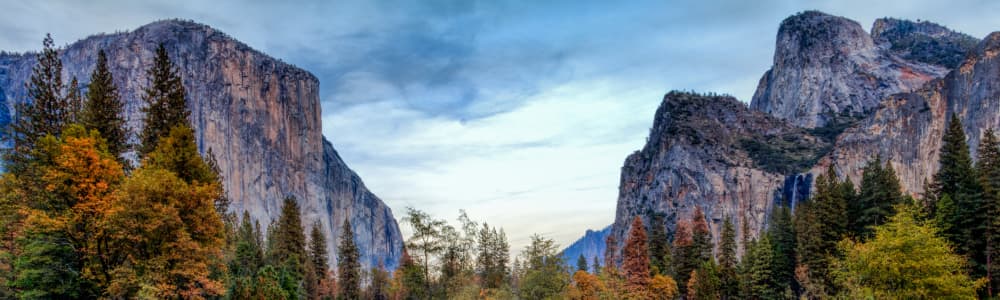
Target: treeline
78,220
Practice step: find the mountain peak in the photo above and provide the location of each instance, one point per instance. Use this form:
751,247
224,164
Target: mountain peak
923,41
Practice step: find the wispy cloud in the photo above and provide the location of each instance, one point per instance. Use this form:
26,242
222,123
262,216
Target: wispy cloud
520,112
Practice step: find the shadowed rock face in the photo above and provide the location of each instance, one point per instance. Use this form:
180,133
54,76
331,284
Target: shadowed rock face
923,41
591,245
706,151
826,67
260,116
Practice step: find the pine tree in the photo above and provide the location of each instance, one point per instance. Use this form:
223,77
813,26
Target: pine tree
705,282
658,245
287,247
596,265
414,283
957,178
635,263
104,110
166,103
610,248
820,224
379,283
728,280
348,265
880,191
684,260
781,233
701,238
318,265
581,263
545,274
43,113
988,169
761,278
74,102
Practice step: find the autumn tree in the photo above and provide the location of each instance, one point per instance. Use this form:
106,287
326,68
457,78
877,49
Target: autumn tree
166,102
663,287
104,109
905,259
635,261
585,286
378,286
348,265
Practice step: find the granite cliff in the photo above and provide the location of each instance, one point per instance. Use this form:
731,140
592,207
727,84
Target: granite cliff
835,95
591,245
259,116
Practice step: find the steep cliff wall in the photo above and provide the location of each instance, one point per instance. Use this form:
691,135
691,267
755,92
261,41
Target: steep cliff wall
828,67
260,116
907,128
591,245
715,153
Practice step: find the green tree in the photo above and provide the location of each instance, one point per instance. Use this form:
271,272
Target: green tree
683,255
781,233
544,275
414,284
705,282
819,225
348,265
287,248
659,247
728,275
426,239
988,169
581,263
42,114
957,178
880,192
762,282
74,102
906,259
104,110
317,264
166,103
248,258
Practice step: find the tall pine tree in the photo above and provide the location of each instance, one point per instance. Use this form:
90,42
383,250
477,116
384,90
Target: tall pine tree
988,169
104,109
166,103
880,192
659,246
348,265
43,113
957,178
728,280
635,261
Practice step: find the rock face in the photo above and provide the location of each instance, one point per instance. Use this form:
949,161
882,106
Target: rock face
907,128
712,152
827,68
258,115
835,95
591,245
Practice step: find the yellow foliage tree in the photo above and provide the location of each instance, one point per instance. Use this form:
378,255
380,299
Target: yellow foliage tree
663,287
585,286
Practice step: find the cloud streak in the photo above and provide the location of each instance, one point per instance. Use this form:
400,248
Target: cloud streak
520,112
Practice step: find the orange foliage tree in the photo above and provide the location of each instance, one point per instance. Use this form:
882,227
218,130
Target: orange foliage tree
635,262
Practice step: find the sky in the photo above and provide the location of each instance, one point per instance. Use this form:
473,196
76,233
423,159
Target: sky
519,112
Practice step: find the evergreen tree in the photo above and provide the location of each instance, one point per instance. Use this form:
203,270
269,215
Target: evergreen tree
74,102
610,248
880,191
659,247
318,261
635,261
166,103
781,233
348,265
581,263
705,282
104,110
545,275
596,265
684,260
43,113
988,169
414,284
728,280
761,264
287,251
248,257
957,178
819,225
701,238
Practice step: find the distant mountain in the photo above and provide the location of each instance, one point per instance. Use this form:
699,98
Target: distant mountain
260,116
591,245
835,95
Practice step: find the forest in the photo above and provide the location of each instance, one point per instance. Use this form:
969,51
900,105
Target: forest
87,214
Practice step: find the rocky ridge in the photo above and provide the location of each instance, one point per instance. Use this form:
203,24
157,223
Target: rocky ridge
259,116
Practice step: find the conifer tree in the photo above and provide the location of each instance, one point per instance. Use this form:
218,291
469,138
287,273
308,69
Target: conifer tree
819,225
728,280
761,280
412,278
781,233
635,261
74,102
596,265
684,260
581,263
610,248
880,191
104,110
701,237
287,247
166,103
317,261
348,265
957,178
379,283
658,245
43,113
988,169
705,282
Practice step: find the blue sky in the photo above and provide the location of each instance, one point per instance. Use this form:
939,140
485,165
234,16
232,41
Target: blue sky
520,112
